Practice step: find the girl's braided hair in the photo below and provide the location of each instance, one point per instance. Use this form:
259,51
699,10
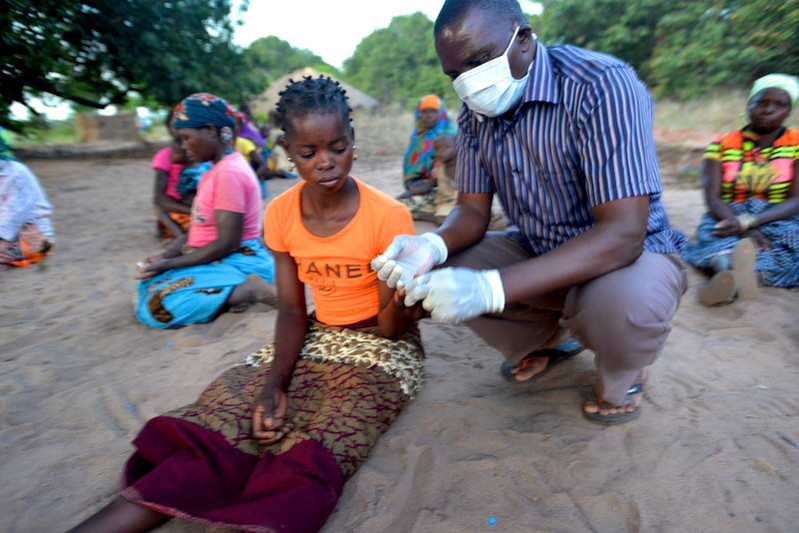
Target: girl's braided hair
311,95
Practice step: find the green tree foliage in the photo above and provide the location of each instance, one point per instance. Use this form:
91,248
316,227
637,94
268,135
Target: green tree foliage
682,48
700,48
626,29
772,29
94,52
271,57
399,63
725,44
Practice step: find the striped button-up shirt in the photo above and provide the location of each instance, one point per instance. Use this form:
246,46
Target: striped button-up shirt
582,136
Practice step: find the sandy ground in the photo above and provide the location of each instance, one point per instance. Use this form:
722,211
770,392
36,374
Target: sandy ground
716,449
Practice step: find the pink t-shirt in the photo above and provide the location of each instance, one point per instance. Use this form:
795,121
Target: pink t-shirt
230,185
162,161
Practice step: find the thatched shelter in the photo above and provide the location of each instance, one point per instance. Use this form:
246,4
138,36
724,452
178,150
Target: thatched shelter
120,127
266,101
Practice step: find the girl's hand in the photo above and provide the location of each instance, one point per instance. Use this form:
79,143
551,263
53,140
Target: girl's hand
269,415
415,312
727,228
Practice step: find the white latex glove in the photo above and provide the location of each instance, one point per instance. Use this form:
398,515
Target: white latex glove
408,256
457,294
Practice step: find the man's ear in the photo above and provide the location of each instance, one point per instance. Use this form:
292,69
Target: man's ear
526,37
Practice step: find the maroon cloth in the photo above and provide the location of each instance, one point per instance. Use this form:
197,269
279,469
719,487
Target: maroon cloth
294,491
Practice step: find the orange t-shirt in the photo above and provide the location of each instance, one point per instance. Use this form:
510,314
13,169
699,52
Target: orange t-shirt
338,268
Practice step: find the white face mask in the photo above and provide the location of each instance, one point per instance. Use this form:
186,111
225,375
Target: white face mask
490,89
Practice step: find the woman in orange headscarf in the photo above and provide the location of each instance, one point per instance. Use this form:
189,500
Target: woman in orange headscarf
431,121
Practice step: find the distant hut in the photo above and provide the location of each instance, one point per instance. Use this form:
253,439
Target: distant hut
122,127
266,101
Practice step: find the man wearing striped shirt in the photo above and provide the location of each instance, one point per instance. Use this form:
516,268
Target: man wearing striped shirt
563,137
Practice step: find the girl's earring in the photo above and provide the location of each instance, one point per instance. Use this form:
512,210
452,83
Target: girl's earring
291,164
354,155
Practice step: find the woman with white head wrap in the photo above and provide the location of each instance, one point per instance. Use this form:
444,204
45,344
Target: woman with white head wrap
750,234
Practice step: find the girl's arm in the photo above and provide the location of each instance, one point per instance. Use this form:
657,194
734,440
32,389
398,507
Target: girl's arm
292,319
394,318
162,200
269,410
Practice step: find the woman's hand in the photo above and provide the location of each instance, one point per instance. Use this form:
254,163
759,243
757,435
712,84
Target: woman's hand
149,267
727,228
762,243
269,415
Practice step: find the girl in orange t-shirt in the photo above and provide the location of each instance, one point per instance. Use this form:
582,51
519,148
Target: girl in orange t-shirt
270,443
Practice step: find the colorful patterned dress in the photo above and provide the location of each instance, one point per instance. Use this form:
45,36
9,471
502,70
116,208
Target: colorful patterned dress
200,461
752,181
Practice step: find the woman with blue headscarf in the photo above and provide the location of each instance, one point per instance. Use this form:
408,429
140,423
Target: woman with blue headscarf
221,261
750,234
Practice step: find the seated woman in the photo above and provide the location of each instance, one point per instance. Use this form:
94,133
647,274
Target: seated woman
221,261
249,127
279,165
172,210
444,175
431,120
26,234
254,154
269,444
750,234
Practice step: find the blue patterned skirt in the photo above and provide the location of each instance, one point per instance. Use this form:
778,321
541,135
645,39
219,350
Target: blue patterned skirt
197,294
778,267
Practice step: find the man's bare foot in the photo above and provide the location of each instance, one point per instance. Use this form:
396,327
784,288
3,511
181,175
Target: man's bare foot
539,362
596,405
534,366
598,410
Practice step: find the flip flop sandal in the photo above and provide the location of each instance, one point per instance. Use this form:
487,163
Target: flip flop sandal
721,289
617,418
565,350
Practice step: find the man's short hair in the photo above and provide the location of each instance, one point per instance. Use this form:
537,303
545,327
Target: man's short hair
455,10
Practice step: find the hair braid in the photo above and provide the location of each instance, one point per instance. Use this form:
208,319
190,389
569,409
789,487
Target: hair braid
308,95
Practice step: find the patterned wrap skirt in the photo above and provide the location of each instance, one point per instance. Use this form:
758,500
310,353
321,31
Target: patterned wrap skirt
197,294
31,246
200,462
778,267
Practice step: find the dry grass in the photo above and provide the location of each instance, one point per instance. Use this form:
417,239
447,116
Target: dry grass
716,113
719,112
384,131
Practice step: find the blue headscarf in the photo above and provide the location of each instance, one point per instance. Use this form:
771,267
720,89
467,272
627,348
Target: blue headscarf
199,109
